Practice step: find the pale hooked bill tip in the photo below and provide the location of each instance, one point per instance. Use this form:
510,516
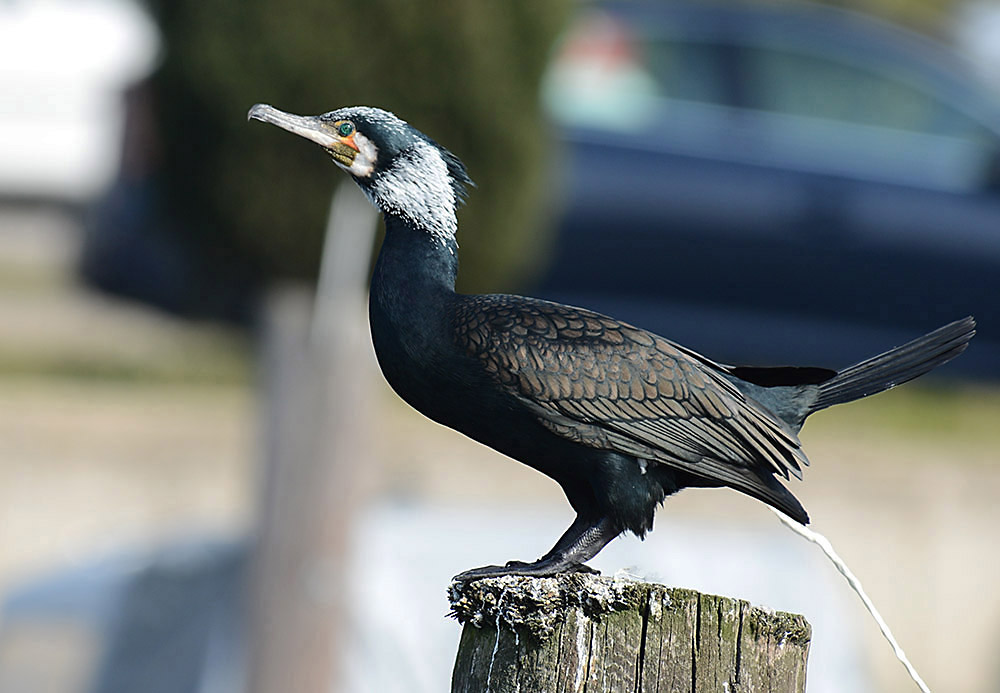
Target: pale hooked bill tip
259,111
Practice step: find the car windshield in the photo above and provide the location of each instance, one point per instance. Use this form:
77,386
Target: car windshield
754,98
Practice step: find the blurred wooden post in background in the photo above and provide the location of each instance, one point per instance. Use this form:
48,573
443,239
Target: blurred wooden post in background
608,635
316,370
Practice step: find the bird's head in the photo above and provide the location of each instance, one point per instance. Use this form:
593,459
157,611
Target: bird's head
404,173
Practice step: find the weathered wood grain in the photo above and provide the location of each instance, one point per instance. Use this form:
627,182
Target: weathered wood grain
577,633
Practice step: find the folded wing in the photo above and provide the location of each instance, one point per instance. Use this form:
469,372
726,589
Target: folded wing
609,385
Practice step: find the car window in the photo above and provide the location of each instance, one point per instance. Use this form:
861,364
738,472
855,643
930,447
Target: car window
687,70
846,119
763,103
816,86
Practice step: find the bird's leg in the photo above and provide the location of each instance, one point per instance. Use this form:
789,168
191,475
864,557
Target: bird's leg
581,542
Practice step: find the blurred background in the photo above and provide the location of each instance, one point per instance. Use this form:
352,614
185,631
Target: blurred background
205,486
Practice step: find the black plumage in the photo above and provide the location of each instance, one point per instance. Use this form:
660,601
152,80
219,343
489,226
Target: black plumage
619,417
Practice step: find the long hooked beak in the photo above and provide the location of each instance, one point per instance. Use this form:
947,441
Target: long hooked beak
310,127
313,128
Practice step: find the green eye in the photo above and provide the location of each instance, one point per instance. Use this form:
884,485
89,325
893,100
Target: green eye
345,129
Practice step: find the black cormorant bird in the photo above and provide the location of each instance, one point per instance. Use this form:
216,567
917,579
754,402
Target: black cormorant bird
621,418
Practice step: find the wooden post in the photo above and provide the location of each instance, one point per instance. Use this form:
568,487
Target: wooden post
598,634
318,369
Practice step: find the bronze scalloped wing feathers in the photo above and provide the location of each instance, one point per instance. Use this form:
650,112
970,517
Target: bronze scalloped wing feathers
609,385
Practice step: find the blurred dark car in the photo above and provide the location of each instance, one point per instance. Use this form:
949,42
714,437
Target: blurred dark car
775,184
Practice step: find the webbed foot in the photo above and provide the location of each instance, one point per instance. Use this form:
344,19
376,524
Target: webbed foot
540,568
581,542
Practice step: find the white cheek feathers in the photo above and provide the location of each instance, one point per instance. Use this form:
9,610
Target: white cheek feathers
364,160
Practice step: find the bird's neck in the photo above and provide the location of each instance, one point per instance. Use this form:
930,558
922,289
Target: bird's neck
412,286
415,261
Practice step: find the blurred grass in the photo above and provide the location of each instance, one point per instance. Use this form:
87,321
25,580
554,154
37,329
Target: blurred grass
79,336
53,328
118,425
919,411
219,364
19,279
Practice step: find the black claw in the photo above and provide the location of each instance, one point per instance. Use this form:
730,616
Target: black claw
484,572
546,568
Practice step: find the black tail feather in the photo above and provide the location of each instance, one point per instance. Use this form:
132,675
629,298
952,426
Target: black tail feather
897,365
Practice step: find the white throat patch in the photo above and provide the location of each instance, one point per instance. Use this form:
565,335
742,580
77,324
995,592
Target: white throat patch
418,188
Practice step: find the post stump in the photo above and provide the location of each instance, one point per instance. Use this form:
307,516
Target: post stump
584,632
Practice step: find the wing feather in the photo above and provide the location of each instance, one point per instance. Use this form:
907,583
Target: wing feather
610,385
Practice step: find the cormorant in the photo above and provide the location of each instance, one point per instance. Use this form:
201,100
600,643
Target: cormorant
621,418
